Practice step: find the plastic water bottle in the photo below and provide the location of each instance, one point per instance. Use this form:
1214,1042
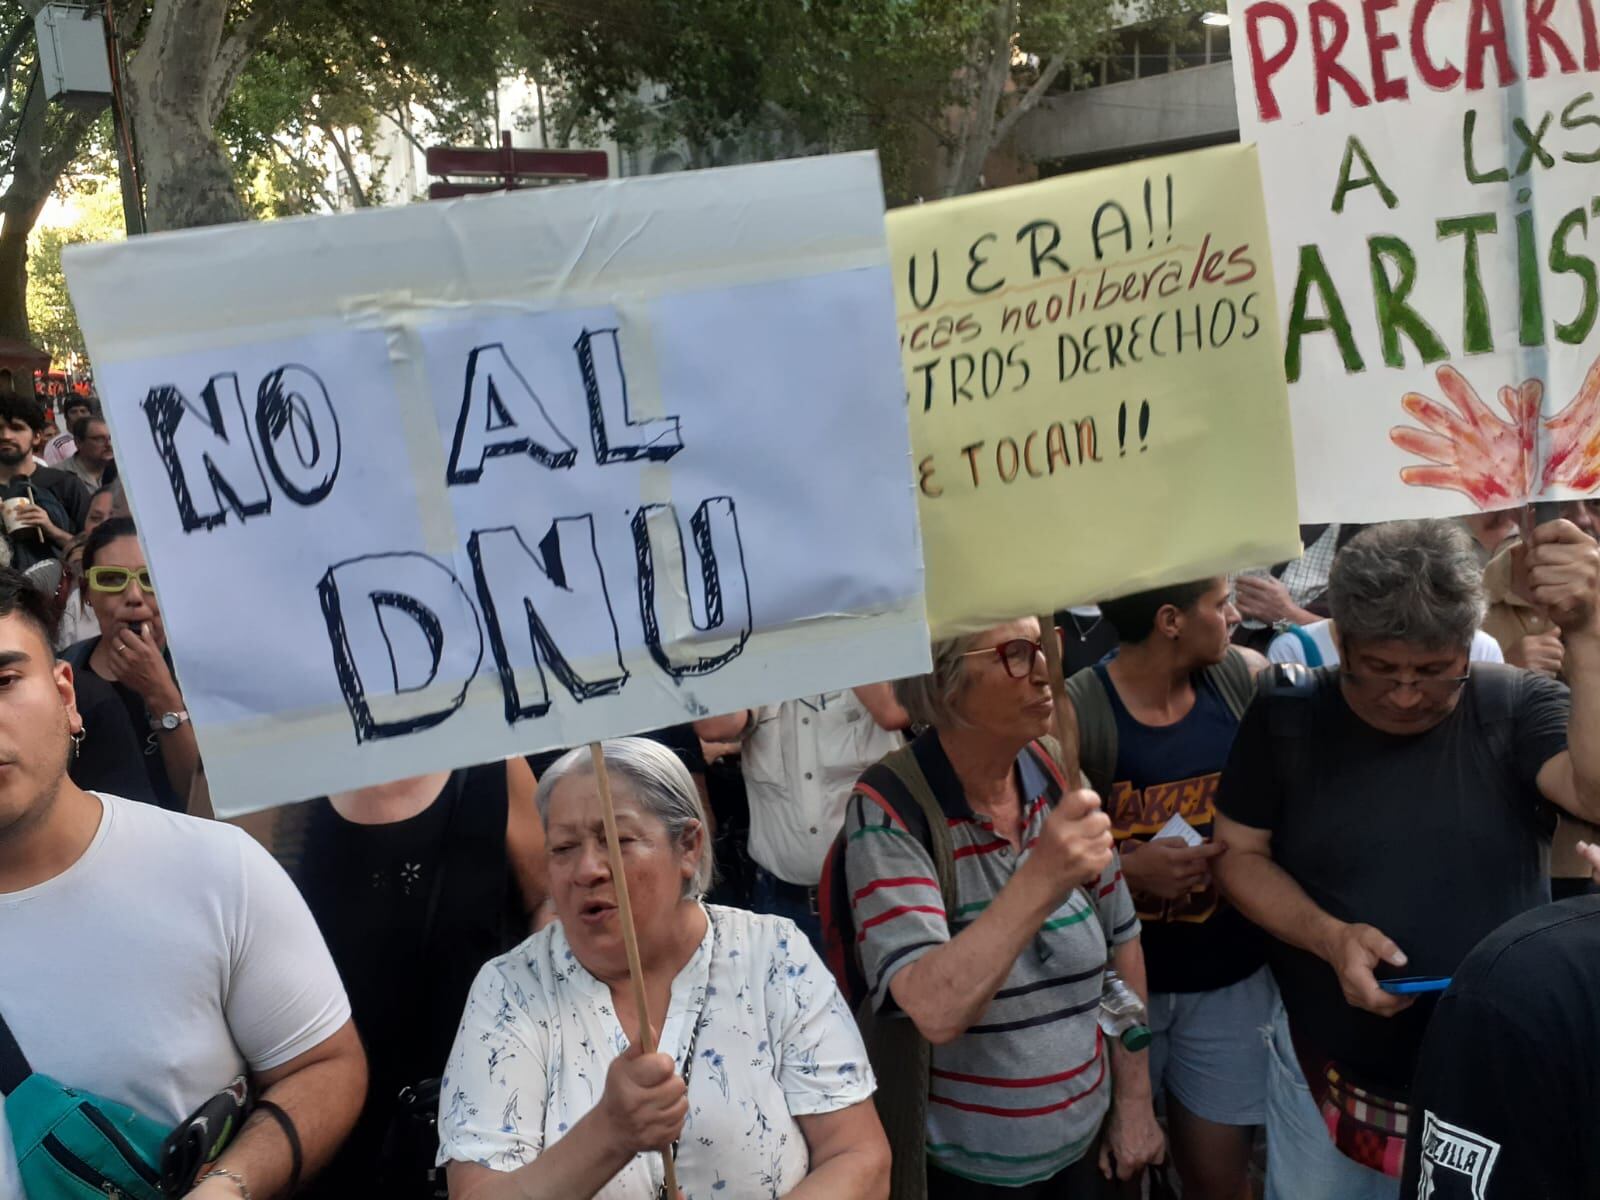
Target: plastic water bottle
1122,1013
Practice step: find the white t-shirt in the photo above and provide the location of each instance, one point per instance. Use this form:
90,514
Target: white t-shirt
777,1042
171,955
800,763
1286,647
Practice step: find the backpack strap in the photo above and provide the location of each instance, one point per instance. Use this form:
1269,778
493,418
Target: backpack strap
1494,691
1286,689
1047,752
14,1066
1494,688
1234,681
903,762
1097,729
1308,645
1287,679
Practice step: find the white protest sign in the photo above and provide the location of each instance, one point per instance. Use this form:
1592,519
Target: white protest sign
1430,177
429,486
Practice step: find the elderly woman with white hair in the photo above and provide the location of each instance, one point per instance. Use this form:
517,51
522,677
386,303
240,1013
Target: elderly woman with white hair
761,1086
1024,1095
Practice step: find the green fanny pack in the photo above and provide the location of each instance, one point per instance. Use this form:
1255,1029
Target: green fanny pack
71,1145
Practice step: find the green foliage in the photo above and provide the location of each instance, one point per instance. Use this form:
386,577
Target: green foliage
901,76
322,78
97,209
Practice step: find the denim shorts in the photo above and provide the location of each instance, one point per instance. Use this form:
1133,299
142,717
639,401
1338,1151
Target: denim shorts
1208,1051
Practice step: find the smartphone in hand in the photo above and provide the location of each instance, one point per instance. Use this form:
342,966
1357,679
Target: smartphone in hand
1415,985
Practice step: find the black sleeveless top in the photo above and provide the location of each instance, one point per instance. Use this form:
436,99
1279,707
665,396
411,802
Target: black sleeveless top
370,888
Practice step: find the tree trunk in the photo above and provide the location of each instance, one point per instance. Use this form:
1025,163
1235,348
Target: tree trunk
976,136
172,86
347,164
188,178
14,231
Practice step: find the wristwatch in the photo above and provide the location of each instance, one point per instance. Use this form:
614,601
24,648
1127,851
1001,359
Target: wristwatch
167,722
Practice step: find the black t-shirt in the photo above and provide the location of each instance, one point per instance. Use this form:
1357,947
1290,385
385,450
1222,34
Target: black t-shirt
1200,942
1507,1093
1435,838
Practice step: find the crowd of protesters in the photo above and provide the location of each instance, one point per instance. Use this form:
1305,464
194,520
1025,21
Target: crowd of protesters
890,937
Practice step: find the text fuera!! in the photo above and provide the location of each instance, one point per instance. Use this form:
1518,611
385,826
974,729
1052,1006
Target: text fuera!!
534,597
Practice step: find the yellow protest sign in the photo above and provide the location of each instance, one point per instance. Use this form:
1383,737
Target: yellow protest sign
1095,382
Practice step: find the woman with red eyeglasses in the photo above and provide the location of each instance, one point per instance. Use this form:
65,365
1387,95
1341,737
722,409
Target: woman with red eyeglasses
138,741
1001,967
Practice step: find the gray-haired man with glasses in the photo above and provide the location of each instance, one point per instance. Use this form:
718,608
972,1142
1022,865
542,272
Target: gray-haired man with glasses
1383,817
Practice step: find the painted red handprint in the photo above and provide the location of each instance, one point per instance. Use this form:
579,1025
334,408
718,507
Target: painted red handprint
1493,461
1476,452
1573,454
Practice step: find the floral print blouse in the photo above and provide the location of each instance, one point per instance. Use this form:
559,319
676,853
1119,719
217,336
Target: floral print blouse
775,1042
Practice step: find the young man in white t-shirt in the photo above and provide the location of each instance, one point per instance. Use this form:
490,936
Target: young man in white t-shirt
149,958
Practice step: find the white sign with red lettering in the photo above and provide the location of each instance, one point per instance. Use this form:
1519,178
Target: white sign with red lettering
1430,178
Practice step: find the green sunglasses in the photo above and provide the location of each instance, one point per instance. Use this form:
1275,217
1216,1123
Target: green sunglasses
115,580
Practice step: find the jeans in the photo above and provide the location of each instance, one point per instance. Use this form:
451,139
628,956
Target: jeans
780,898
1302,1161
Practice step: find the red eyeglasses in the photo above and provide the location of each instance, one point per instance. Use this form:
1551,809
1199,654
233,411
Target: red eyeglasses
1017,655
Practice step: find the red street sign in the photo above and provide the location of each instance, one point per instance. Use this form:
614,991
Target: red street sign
509,164
449,191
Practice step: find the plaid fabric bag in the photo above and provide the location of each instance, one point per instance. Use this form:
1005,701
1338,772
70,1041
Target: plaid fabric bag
1366,1126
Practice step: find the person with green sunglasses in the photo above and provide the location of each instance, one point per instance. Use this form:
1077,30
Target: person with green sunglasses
127,667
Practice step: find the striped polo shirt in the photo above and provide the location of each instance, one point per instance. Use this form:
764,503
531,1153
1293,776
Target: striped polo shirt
1021,1094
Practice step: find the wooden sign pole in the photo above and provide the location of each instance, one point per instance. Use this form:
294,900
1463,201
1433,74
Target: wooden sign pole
630,940
1066,731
